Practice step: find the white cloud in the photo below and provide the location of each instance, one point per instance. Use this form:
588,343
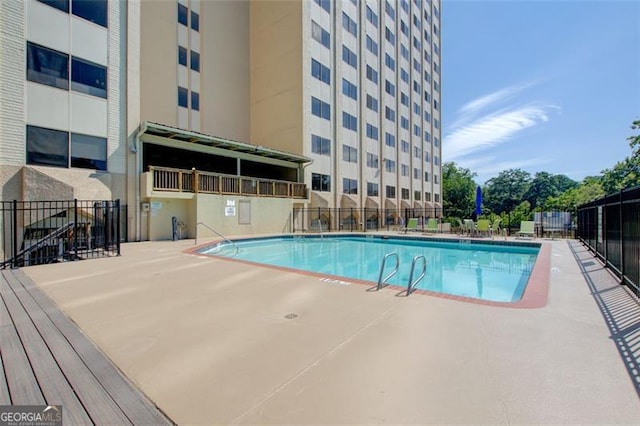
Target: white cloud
492,98
491,130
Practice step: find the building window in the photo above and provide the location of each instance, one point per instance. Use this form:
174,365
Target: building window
389,35
404,29
182,55
427,117
436,197
183,14
195,61
404,75
349,186
195,21
404,52
372,17
349,24
427,157
62,5
320,109
427,136
372,75
417,195
436,123
195,101
416,87
404,170
404,123
372,103
390,191
389,165
416,174
47,147
389,62
435,104
426,178
404,99
320,72
427,195
372,160
436,86
349,57
389,10
436,179
349,121
372,189
389,140
404,146
325,4
372,46
349,89
47,66
183,97
389,114
416,109
320,145
405,193
89,78
417,152
320,182
349,154
93,11
436,160
372,132
436,142
389,88
320,35
88,152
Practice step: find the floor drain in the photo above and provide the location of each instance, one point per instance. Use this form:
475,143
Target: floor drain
291,316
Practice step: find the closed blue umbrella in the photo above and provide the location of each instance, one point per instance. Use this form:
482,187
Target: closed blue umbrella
478,210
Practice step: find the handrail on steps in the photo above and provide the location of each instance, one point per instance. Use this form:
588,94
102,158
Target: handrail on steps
217,233
411,285
395,270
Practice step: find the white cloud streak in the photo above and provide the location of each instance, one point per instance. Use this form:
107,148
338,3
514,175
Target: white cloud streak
492,98
491,130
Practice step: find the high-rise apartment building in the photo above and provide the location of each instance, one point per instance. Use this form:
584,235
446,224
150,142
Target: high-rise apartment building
343,96
354,85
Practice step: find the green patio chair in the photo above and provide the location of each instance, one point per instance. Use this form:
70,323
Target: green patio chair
468,227
483,227
527,229
432,226
495,227
412,225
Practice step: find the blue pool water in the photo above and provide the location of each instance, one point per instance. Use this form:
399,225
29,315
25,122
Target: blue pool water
482,271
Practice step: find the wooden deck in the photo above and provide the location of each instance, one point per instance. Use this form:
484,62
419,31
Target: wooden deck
46,359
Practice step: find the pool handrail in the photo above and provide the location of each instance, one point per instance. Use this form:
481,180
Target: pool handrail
395,270
411,284
217,233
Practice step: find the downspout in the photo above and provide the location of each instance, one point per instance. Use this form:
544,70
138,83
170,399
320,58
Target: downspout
135,148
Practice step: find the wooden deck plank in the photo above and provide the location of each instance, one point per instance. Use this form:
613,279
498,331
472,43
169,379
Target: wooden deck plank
5,398
95,399
53,383
137,407
21,382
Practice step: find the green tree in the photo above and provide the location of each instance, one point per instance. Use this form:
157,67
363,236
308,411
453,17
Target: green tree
507,190
588,190
458,190
626,173
545,185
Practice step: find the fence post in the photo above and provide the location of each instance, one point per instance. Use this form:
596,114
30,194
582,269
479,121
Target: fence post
14,240
75,229
621,240
118,226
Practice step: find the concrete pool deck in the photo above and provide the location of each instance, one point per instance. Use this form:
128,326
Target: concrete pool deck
213,341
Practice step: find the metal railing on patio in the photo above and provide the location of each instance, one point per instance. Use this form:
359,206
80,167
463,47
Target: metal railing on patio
179,180
38,232
610,227
324,219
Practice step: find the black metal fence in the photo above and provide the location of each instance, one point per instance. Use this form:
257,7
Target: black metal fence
610,227
321,219
37,232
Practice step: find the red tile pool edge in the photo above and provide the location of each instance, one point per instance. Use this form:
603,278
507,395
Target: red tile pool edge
535,294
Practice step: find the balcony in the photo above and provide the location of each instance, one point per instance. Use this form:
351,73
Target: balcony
165,179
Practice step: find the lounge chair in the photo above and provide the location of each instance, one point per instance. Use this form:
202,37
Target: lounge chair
412,225
484,226
495,227
432,226
527,228
468,227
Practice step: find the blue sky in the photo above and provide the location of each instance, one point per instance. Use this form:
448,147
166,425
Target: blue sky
539,85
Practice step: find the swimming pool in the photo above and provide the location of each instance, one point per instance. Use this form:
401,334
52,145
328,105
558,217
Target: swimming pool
493,272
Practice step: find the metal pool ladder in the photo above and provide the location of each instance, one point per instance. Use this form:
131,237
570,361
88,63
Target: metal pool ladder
412,284
217,233
384,262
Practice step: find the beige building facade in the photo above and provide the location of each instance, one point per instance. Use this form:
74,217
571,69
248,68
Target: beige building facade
343,97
